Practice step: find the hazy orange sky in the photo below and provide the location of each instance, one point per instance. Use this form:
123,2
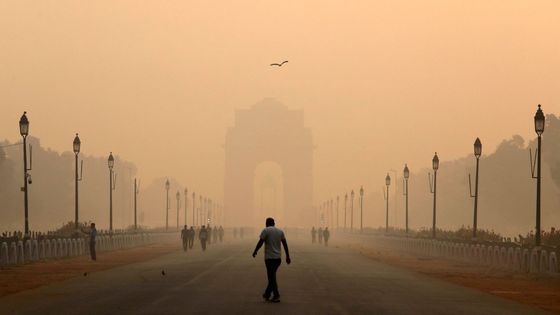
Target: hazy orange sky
381,82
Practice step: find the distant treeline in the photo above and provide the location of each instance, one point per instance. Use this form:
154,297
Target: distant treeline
51,195
507,191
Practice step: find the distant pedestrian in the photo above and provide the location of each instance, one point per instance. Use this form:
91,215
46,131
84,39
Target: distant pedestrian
185,238
221,232
215,235
92,233
313,235
203,237
326,236
234,232
271,237
320,235
191,237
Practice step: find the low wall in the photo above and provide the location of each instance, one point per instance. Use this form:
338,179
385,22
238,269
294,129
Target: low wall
16,253
511,258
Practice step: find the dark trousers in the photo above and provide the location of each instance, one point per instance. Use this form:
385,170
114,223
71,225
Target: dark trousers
271,268
191,242
92,250
203,244
185,244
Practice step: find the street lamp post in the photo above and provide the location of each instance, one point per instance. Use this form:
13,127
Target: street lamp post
178,196
337,217
76,148
186,192
433,190
136,192
167,204
539,129
200,205
24,132
352,211
406,175
477,154
111,164
387,183
331,221
193,208
361,209
345,202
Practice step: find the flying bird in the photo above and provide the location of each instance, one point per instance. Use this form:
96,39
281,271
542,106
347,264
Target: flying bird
279,64
163,272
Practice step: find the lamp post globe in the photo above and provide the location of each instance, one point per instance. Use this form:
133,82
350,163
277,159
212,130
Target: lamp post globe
477,148
539,121
111,161
24,125
435,162
76,144
388,180
406,172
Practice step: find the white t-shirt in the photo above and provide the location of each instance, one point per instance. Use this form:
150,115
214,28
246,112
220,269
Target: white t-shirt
272,237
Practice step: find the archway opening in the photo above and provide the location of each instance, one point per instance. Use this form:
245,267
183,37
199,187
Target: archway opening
268,188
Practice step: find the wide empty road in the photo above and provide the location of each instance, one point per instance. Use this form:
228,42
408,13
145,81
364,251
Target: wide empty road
227,280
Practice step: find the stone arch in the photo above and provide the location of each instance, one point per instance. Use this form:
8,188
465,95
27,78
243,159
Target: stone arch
268,131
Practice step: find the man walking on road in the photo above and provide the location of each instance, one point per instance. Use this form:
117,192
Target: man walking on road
271,237
313,235
326,236
191,236
203,236
185,238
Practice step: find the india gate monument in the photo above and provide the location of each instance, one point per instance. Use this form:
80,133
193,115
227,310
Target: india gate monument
268,132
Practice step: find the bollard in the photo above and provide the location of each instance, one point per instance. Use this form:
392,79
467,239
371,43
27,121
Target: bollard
496,257
4,257
543,261
12,253
27,251
60,248
510,259
34,250
42,249
81,246
20,253
70,244
517,259
54,248
48,249
503,257
552,263
533,261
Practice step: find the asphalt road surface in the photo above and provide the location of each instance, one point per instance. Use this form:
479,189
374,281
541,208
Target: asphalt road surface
227,280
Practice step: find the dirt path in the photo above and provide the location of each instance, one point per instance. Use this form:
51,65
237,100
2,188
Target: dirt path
539,291
19,278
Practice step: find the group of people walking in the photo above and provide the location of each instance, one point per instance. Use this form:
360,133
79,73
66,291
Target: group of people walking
206,235
322,234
